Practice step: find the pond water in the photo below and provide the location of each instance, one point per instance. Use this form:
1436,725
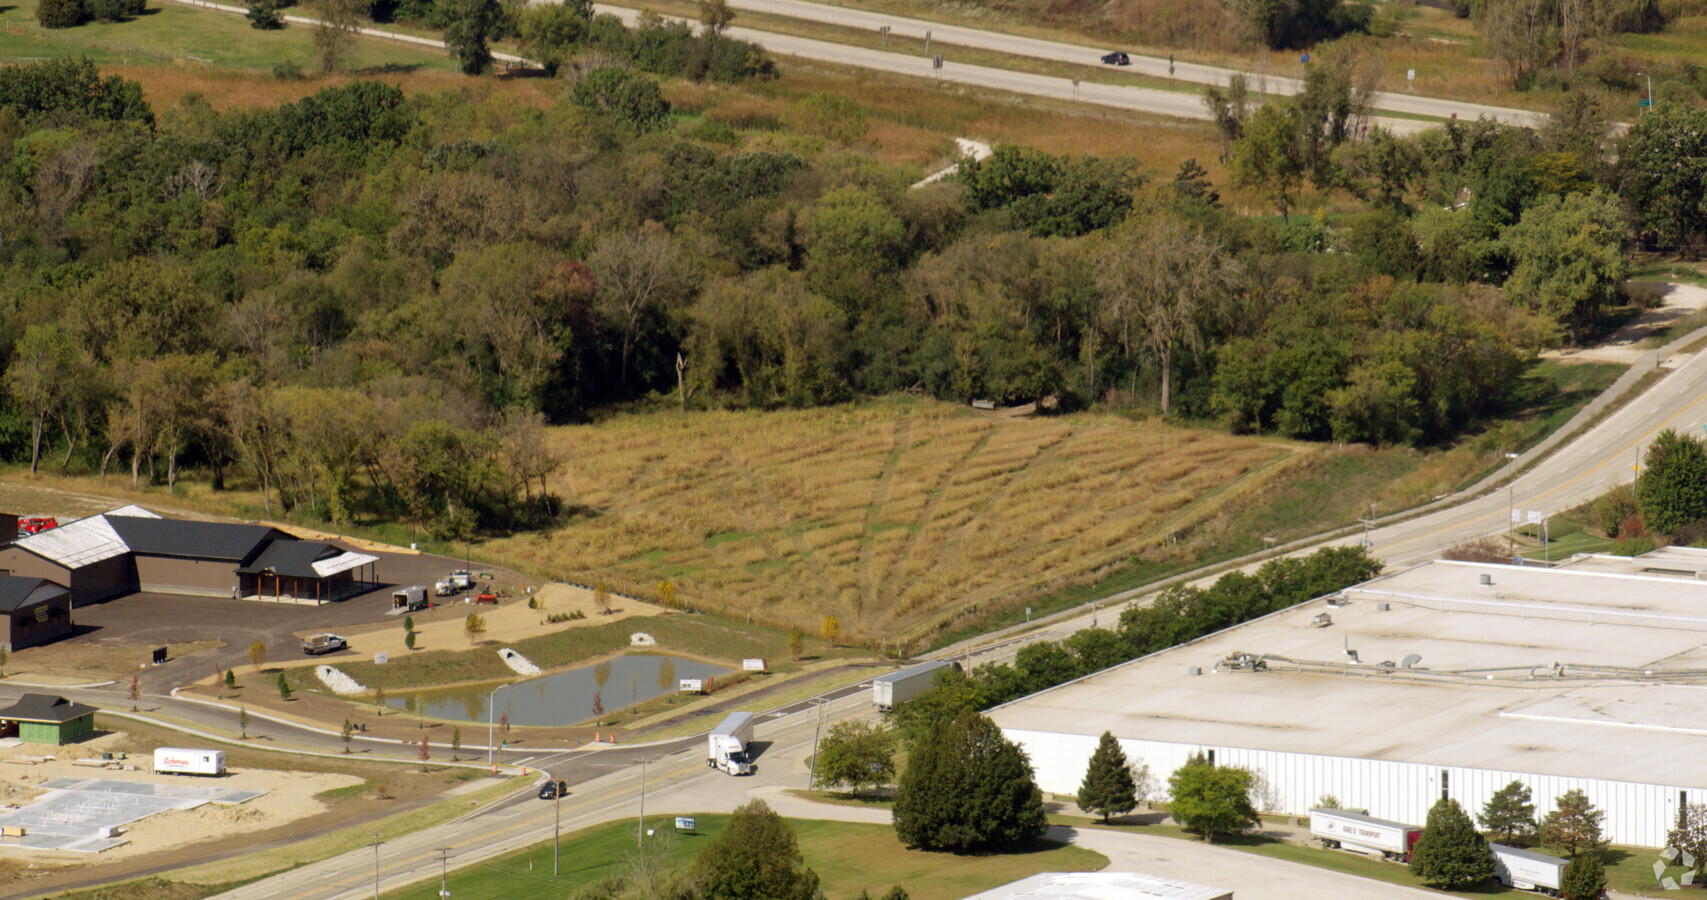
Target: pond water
566,697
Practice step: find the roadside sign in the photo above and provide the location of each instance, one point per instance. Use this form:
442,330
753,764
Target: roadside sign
1304,58
1535,517
1644,104
1410,74
684,823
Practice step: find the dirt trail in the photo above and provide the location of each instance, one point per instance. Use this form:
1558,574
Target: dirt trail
1628,344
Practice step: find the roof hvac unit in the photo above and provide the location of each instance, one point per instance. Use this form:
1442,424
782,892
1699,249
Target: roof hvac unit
1410,661
1484,579
1383,607
1194,670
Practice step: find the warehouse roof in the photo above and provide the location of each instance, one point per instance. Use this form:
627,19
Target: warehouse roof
16,591
45,708
198,540
304,559
1101,886
1552,671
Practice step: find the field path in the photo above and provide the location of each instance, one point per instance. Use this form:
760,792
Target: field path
934,500
902,433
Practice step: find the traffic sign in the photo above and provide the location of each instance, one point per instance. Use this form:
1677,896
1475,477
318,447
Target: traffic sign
1644,104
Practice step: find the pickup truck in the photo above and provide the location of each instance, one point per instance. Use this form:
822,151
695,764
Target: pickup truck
320,644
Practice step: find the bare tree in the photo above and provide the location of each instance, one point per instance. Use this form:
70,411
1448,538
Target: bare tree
641,276
1155,277
334,31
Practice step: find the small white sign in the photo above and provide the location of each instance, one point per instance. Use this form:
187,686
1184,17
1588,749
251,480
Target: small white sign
754,665
1410,74
684,823
1535,517
692,686
1517,517
380,659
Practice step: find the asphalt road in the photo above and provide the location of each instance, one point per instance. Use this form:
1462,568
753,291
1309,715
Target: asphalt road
1091,58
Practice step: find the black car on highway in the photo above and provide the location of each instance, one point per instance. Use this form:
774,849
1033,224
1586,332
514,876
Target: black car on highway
1117,58
551,790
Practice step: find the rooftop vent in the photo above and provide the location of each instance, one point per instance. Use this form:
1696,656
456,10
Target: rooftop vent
1485,578
1322,620
1410,661
1383,607
1194,670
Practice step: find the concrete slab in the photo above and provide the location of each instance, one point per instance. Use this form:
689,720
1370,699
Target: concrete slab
83,814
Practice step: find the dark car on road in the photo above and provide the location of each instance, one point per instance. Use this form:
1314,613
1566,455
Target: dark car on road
551,790
1117,58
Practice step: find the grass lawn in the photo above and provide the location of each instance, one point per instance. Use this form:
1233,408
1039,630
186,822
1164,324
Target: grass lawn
169,33
848,858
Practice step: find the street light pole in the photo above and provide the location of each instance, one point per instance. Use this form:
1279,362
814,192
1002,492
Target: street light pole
376,843
556,828
1511,503
444,871
491,705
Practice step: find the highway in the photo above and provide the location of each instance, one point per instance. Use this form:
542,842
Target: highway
1091,58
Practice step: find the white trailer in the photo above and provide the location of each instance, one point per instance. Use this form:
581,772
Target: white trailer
179,761
1344,830
1528,870
727,744
895,688
409,599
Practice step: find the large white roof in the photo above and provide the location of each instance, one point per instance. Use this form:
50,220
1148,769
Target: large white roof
83,541
1551,671
342,562
1101,886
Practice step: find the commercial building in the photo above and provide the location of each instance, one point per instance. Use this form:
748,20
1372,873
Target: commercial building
1447,679
46,719
36,611
131,549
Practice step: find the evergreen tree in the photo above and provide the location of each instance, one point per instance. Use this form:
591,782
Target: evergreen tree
968,789
1672,489
1450,853
1108,787
755,858
61,13
284,687
1574,826
474,24
1509,814
1211,799
264,15
1585,878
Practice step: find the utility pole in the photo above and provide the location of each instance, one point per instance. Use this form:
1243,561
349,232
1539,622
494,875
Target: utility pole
444,870
376,843
556,828
812,779
1511,503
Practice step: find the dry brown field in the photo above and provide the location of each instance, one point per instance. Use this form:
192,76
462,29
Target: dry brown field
895,516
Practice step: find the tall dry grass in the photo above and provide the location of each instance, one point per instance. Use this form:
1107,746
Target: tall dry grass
889,514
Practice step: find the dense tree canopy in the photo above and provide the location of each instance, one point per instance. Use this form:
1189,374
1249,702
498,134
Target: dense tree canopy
968,789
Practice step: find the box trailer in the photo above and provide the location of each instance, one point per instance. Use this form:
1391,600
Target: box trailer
179,761
410,598
727,744
1528,870
895,688
1344,830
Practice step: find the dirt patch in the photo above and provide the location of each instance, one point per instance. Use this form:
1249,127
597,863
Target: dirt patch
1628,344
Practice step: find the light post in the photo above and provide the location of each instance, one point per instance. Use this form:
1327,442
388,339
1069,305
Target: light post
556,826
491,705
1511,503
376,843
444,871
1650,88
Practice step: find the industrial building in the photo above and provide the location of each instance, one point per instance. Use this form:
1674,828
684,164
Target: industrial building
1446,679
131,549
1101,886
46,719
36,610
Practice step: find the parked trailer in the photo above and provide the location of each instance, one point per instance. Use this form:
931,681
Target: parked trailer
410,598
1338,828
895,688
726,748
179,761
1528,870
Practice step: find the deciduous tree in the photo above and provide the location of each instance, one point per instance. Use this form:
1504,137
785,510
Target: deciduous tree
1671,490
334,30
1585,878
755,858
1211,799
968,789
856,755
472,26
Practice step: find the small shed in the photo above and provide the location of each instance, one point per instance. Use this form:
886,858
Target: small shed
35,610
46,719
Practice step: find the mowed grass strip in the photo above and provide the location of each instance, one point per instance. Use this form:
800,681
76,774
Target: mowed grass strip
773,513
848,857
173,33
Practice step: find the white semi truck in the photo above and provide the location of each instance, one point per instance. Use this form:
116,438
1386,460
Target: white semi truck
895,688
1528,870
179,761
1345,830
728,742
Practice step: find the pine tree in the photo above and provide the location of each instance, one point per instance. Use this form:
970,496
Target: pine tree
1108,788
1451,854
230,679
755,856
1574,826
284,687
968,789
1585,878
1509,814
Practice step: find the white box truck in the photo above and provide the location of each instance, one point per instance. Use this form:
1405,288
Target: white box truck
1344,830
179,761
895,688
1528,870
728,742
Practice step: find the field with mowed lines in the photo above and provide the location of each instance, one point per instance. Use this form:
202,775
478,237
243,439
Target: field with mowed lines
895,516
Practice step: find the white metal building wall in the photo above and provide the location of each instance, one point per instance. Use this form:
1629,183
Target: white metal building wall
1637,815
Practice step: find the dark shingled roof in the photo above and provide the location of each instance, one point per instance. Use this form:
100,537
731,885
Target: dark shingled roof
45,708
194,540
290,558
16,591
